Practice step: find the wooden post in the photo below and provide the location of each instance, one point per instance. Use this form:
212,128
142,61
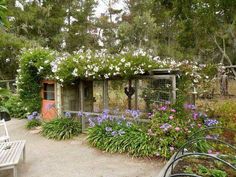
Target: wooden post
136,94
58,99
174,88
8,85
81,96
105,94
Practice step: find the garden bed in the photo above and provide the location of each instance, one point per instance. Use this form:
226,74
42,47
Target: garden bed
208,155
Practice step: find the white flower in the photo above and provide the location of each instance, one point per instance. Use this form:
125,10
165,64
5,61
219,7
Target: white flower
74,73
46,61
117,68
127,64
95,69
40,68
106,76
7,60
122,60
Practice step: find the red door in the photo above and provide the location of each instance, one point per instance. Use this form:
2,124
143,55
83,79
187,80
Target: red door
49,110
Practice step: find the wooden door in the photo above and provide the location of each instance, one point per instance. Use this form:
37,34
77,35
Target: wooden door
49,110
88,96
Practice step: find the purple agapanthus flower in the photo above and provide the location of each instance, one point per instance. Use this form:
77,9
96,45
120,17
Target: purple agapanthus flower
91,123
114,133
68,115
129,124
35,113
165,126
134,113
30,117
108,129
210,122
121,132
80,114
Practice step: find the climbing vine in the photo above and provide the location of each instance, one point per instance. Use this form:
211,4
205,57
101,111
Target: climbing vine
40,63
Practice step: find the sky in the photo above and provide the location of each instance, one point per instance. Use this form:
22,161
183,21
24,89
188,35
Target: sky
103,6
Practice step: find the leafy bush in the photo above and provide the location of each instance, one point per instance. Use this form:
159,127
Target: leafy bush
61,128
33,120
16,107
123,137
172,129
34,67
161,137
33,123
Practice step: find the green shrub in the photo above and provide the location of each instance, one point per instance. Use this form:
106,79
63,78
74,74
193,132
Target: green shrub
16,107
120,136
61,128
33,123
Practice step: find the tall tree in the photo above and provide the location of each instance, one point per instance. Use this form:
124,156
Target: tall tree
3,10
80,25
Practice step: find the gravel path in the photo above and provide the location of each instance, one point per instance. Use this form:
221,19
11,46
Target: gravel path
73,158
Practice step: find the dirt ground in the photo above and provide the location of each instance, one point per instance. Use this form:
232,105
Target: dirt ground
73,158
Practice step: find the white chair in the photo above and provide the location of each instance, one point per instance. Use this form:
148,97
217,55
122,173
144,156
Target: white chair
4,137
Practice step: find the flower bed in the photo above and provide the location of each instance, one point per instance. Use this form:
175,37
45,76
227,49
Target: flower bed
166,131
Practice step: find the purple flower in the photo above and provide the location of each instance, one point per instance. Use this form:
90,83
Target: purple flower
68,115
165,127
121,132
35,113
173,110
30,117
163,108
91,123
210,122
123,117
129,124
195,116
108,129
135,113
114,133
190,106
80,114
167,102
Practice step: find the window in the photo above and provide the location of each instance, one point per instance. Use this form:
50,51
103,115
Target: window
48,91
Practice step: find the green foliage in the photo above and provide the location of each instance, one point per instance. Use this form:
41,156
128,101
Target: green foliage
172,129
10,47
122,137
226,113
88,65
4,109
16,106
34,66
31,124
211,172
3,11
61,128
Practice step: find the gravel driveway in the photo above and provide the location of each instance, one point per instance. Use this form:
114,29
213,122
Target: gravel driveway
73,158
